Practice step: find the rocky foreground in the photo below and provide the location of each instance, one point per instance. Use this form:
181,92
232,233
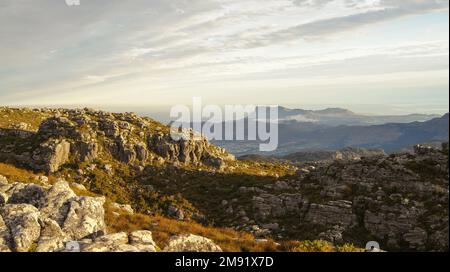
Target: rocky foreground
400,200
54,219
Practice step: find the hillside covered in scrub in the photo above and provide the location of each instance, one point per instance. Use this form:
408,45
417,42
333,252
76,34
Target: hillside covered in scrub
142,180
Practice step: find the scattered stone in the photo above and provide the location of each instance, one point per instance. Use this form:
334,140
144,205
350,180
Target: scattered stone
191,243
123,208
3,180
78,186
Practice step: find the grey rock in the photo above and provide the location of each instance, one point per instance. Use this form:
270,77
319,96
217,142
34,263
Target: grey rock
52,238
23,222
85,218
3,198
123,208
332,213
191,243
176,213
110,243
5,237
139,241
27,194
3,180
334,235
143,241
51,155
416,238
56,203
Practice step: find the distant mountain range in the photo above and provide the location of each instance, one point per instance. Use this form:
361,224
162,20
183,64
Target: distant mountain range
334,129
338,116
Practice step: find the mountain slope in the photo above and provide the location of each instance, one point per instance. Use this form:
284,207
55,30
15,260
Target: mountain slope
296,137
338,116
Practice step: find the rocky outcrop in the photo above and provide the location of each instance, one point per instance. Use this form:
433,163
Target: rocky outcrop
5,236
139,241
331,213
85,218
86,135
400,200
191,243
22,221
54,219
50,155
346,154
57,201
52,237
43,219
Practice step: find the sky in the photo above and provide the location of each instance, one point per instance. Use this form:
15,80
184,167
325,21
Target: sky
374,56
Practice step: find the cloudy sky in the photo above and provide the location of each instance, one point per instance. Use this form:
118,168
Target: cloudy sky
373,55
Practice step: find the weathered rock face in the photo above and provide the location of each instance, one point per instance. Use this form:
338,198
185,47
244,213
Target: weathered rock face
400,200
331,213
23,223
194,149
5,237
24,193
57,202
346,154
54,219
50,155
86,135
191,243
139,241
82,220
267,205
47,217
52,237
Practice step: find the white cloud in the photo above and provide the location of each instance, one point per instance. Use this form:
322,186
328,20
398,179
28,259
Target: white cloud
148,47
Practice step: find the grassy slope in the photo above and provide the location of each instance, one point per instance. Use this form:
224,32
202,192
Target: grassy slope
188,188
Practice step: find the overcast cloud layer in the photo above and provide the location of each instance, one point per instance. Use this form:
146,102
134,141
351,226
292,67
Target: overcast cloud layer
162,52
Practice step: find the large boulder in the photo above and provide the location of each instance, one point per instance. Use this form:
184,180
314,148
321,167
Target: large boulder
138,241
56,203
3,180
117,242
59,217
23,222
143,241
5,236
52,237
85,218
26,193
50,155
331,213
191,243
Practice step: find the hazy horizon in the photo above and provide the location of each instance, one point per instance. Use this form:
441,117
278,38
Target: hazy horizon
162,112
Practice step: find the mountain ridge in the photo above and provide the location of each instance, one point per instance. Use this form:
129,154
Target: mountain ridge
297,136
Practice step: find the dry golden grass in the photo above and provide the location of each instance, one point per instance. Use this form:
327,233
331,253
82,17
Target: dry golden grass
163,228
11,116
317,246
15,174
